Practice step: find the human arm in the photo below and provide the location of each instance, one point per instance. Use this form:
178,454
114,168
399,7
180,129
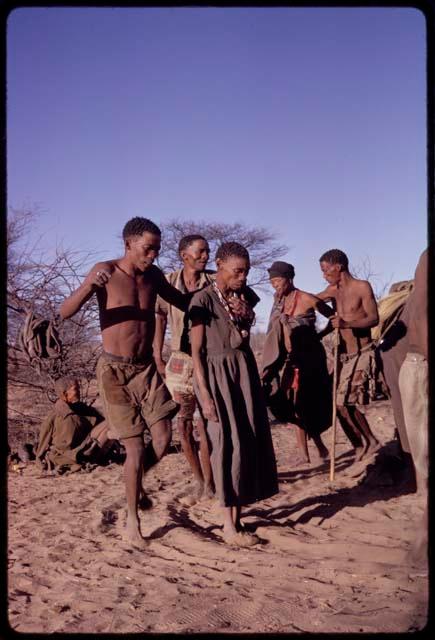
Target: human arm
197,334
172,295
325,331
159,338
323,308
97,278
328,294
241,308
418,322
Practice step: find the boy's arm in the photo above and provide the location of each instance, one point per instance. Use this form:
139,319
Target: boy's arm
158,342
418,310
97,277
321,306
327,294
197,333
171,294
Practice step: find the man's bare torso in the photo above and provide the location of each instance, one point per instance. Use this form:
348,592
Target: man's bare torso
126,305
349,306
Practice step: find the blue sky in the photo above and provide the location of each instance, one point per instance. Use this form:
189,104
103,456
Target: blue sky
309,121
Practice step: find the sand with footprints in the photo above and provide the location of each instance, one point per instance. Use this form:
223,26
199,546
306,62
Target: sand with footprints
332,558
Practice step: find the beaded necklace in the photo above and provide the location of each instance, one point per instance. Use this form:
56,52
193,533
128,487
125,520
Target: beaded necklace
234,319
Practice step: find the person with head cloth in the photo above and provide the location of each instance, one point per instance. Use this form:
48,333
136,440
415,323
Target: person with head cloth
229,390
293,369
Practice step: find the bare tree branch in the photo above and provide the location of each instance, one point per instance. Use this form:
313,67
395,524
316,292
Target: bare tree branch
261,243
365,271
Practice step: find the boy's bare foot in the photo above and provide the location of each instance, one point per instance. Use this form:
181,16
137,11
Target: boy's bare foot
133,536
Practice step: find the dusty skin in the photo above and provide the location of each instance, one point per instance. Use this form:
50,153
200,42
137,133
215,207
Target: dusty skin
331,559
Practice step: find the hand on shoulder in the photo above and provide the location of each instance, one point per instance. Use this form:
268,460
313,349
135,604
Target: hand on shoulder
100,274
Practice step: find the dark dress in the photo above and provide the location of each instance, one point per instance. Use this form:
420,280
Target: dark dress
242,455
306,400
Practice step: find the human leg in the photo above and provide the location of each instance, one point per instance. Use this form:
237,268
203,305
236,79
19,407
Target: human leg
413,384
302,440
360,421
160,441
188,446
204,456
234,533
134,448
352,433
321,448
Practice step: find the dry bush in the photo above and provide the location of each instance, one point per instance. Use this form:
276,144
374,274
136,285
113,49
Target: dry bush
37,282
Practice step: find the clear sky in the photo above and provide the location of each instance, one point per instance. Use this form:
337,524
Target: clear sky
309,121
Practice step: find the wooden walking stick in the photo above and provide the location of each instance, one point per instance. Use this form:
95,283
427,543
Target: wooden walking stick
334,403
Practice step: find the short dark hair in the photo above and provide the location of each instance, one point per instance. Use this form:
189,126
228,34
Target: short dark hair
186,241
137,226
61,385
335,256
230,249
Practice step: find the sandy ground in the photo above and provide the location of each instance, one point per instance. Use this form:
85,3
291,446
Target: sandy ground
332,557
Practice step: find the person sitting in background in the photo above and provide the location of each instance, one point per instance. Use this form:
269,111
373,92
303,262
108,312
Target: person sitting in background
73,433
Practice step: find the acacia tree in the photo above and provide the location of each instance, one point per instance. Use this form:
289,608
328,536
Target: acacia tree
259,241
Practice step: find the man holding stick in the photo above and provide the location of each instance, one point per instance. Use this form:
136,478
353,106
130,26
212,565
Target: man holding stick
133,392
356,313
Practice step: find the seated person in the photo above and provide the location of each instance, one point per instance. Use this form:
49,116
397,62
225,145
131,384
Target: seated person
73,433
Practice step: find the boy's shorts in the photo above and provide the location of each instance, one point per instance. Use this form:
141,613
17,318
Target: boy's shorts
133,394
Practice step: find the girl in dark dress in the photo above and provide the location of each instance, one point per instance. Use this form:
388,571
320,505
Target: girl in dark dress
230,392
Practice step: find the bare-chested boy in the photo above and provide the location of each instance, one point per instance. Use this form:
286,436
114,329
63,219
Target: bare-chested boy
356,313
132,390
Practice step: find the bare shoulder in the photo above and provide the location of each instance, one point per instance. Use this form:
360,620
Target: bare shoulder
308,298
363,286
106,265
